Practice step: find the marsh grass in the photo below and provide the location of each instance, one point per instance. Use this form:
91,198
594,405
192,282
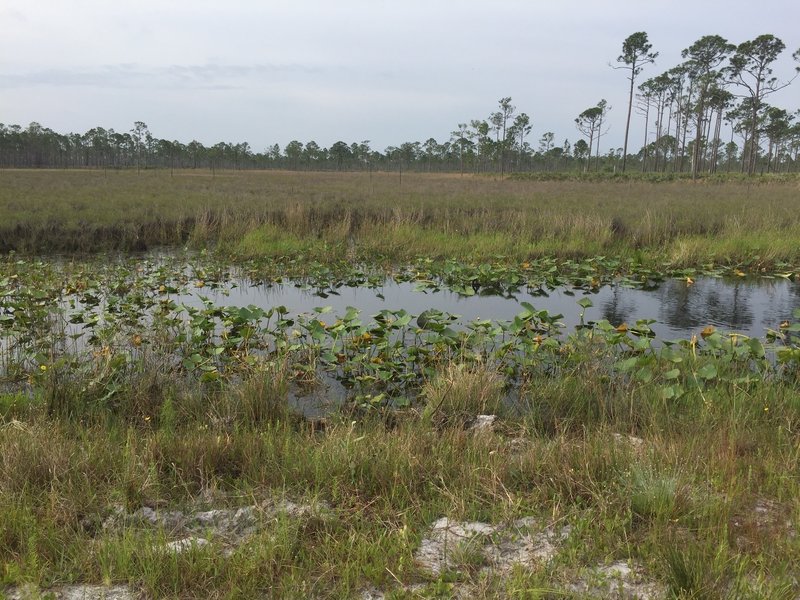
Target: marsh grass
682,505
259,399
346,215
459,393
706,501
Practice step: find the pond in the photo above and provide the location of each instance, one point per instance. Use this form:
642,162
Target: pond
747,306
376,336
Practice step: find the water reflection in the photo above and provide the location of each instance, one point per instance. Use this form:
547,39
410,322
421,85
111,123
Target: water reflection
680,309
711,301
619,308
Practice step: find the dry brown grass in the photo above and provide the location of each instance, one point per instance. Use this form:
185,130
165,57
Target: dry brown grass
428,214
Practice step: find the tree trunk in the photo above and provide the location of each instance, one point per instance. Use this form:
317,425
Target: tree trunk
646,127
628,122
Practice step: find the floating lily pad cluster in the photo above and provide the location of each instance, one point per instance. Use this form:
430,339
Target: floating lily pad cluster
103,320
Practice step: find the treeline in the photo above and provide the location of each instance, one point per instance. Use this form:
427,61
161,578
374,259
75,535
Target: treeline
707,114
38,146
718,87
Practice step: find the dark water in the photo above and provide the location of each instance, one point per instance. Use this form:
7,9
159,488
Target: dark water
749,307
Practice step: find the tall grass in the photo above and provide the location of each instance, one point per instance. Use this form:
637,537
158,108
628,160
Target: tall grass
682,504
704,498
274,213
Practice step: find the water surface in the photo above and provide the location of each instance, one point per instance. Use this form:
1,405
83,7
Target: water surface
750,307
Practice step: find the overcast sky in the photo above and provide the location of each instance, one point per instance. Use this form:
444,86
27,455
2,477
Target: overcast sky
386,71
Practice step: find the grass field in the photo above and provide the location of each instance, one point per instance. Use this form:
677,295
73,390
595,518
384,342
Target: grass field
702,502
160,458
364,215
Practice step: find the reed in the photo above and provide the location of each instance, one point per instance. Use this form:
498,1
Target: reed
711,475
680,221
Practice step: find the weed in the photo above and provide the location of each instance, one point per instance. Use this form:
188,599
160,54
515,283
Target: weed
458,394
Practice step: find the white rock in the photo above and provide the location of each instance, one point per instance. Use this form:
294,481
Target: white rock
526,548
372,593
483,424
524,542
97,592
239,521
73,592
461,529
618,580
231,526
169,519
636,443
186,544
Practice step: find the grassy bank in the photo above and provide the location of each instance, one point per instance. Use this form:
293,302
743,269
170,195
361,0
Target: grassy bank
679,463
162,446
704,500
363,215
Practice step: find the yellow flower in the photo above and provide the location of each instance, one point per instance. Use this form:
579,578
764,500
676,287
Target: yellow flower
43,367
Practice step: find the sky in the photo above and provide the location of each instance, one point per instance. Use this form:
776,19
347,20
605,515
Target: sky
387,71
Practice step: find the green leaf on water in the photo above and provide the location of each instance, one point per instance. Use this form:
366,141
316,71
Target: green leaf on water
209,376
673,374
627,364
449,332
756,347
645,375
422,319
708,371
672,392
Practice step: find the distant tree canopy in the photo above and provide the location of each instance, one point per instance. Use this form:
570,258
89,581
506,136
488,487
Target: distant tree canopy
705,114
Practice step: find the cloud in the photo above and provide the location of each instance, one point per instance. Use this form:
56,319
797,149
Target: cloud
13,14
129,75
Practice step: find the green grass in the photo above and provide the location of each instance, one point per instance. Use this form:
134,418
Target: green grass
682,504
706,504
348,215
